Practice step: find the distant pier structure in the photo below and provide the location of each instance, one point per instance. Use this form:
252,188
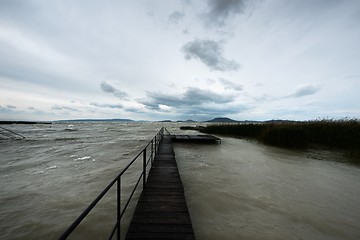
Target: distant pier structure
195,138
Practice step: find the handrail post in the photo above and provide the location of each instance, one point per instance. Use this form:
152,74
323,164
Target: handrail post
152,152
118,208
155,145
144,168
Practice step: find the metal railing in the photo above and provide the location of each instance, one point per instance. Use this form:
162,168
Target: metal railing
154,145
8,134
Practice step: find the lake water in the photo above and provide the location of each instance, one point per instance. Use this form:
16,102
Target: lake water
239,189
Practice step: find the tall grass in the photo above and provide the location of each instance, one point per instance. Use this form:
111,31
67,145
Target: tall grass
285,135
343,134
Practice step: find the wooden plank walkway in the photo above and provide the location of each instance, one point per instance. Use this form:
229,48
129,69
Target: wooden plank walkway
161,212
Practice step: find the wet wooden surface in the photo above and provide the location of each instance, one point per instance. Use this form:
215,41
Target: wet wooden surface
196,138
161,212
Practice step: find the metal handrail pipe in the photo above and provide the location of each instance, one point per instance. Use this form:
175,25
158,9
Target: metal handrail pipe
147,162
113,231
131,195
97,199
72,227
127,166
13,132
135,158
167,131
118,208
86,211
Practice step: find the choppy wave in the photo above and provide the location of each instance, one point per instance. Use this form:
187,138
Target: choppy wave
241,189
70,130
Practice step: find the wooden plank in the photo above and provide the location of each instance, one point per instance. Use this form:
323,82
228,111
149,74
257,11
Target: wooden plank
161,212
177,236
161,228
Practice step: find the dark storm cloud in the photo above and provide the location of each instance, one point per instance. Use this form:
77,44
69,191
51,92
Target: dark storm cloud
305,90
210,53
197,95
110,89
105,105
218,11
191,97
176,17
194,102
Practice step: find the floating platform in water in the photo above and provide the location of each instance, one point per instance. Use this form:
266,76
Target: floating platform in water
204,138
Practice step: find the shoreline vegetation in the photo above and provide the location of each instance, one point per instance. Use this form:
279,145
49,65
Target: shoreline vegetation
334,134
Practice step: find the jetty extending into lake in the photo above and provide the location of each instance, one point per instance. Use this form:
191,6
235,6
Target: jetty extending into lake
161,211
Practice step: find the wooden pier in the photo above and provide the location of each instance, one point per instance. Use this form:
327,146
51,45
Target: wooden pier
161,212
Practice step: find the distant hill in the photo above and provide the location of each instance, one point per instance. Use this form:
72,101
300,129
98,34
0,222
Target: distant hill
222,119
189,120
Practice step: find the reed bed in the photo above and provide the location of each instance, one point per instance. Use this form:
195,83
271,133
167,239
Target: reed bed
341,134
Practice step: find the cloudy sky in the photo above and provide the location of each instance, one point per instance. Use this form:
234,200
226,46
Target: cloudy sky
178,60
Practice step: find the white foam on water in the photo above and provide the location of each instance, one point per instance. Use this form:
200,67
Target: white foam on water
82,158
52,167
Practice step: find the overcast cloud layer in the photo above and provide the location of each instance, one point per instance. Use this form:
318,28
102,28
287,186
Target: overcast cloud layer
178,60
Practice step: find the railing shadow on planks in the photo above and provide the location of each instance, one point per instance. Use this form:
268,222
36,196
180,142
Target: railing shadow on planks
153,145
